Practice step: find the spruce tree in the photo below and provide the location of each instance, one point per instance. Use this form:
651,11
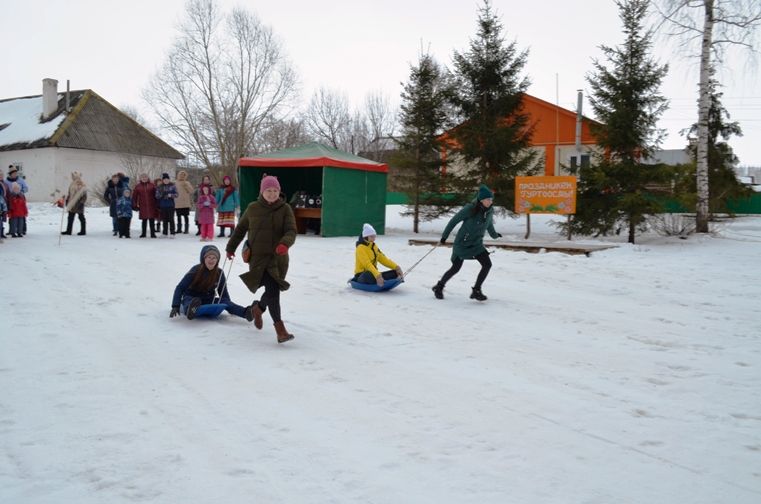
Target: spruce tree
494,134
613,190
423,117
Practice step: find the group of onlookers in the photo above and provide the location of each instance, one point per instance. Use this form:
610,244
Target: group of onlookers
13,206
160,201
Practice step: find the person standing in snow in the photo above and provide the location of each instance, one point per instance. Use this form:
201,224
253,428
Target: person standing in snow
124,213
205,213
114,189
3,206
144,202
270,226
227,204
477,219
366,259
199,286
75,204
13,176
205,181
182,203
17,210
166,193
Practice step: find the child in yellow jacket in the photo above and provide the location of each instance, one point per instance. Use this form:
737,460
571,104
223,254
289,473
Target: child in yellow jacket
367,257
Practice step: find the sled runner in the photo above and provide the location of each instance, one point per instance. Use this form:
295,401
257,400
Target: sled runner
387,285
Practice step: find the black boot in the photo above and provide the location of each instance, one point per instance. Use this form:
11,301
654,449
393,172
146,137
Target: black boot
477,294
198,229
69,224
82,225
438,290
221,232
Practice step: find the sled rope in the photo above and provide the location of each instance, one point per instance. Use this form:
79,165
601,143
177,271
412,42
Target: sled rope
406,273
217,295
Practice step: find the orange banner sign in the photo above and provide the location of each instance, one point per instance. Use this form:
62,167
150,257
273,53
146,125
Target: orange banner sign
555,195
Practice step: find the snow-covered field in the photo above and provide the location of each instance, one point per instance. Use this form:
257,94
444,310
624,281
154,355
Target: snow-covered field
631,376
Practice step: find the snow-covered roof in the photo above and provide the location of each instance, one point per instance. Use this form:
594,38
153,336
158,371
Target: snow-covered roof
91,123
21,123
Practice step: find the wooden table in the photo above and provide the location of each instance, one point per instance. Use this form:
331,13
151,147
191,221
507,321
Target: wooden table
302,216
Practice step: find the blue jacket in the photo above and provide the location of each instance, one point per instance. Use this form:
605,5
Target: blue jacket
123,207
166,193
231,203
183,288
114,192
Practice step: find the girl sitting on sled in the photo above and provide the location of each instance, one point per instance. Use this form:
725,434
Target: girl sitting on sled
199,287
367,257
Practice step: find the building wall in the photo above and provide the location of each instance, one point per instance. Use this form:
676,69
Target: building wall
48,170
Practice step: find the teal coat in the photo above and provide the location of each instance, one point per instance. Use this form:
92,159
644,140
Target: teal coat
231,203
469,241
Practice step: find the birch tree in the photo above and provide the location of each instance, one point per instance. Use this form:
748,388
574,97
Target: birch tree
713,26
224,77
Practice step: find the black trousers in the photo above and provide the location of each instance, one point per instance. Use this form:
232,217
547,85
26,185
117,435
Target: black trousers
70,221
145,223
271,297
482,258
123,224
182,213
167,220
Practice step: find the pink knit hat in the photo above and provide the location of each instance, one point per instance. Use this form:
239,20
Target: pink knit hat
269,182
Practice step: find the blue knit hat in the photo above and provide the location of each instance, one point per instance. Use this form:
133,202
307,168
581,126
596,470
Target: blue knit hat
484,193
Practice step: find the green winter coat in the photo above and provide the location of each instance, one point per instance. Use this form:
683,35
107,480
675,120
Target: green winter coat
469,241
266,226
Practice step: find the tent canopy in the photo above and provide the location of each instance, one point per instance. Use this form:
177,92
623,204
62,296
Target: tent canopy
313,155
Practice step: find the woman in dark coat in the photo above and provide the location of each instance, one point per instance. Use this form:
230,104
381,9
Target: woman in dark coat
476,218
270,226
114,190
144,201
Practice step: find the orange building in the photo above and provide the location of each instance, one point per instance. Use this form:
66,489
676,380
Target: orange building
555,135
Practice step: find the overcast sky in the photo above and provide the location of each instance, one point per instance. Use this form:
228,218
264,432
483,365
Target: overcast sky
355,46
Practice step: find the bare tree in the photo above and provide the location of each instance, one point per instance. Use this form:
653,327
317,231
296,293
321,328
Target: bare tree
716,25
280,134
381,122
328,118
224,77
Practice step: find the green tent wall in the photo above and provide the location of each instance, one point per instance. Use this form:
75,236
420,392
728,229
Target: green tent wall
353,188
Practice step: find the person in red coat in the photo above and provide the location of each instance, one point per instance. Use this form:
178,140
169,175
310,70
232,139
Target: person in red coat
144,202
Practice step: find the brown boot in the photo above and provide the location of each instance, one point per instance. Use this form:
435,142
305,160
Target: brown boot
254,314
282,334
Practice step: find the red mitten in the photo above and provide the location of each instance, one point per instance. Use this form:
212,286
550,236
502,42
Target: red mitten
281,249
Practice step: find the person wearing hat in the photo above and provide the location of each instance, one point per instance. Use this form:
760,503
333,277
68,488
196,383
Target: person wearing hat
270,226
75,204
366,259
477,219
199,286
166,193
227,204
13,177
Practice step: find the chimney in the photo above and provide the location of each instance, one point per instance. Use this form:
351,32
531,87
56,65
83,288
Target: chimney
49,98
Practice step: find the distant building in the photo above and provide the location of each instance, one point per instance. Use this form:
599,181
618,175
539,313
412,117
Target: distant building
48,136
669,157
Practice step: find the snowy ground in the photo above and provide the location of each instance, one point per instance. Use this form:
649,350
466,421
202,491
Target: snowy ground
631,376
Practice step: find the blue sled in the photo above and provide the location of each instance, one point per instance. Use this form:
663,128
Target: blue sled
210,310
387,285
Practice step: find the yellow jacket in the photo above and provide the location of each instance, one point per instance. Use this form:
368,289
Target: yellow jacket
367,257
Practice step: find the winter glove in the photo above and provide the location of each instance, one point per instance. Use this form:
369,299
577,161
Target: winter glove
281,249
230,255
443,240
175,311
207,203
399,272
379,280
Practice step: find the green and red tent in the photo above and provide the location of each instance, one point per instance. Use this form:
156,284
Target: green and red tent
352,188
